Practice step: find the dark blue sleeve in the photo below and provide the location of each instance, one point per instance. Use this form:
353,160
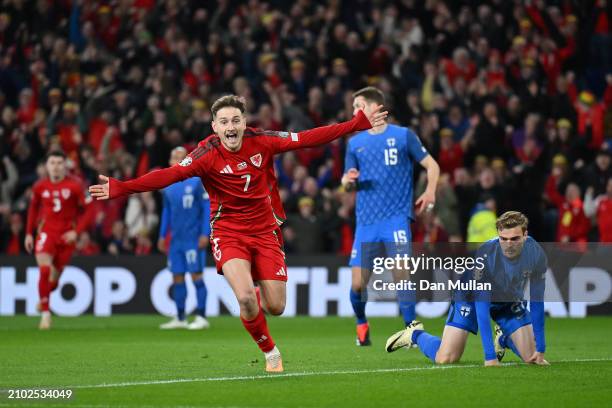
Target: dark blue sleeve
483,315
165,219
536,303
205,203
416,149
350,161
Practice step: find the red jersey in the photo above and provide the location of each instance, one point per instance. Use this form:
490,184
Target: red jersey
238,183
55,207
277,203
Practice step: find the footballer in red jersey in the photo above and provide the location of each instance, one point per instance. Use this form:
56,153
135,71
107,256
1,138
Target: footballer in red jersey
56,204
234,166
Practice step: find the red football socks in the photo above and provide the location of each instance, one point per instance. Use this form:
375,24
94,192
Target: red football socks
258,329
44,287
53,285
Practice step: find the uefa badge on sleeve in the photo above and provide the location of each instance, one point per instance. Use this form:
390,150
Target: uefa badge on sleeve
186,161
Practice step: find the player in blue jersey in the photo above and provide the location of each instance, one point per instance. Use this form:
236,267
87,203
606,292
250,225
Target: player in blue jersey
379,165
186,217
512,260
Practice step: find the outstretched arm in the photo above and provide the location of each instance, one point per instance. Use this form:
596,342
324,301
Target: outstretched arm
325,134
155,180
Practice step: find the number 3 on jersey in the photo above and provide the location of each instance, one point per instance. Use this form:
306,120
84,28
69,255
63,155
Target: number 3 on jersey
57,205
391,156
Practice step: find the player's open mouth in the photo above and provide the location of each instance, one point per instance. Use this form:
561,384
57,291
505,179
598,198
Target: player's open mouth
231,137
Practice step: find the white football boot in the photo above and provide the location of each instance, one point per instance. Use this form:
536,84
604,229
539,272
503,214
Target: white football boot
174,324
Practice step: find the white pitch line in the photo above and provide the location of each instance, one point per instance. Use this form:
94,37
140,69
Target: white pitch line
308,374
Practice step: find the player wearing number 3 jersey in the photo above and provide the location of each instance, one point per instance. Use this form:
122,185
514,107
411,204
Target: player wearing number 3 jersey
234,167
56,203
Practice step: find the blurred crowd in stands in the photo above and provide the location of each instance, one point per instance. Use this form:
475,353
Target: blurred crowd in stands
511,97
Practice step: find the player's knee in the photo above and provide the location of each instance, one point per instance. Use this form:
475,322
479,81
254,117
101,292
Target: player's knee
447,358
276,308
44,262
247,300
178,278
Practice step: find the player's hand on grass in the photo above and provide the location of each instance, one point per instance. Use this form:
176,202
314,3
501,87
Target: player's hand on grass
376,117
425,202
161,245
29,243
492,363
70,237
203,242
349,179
101,191
538,358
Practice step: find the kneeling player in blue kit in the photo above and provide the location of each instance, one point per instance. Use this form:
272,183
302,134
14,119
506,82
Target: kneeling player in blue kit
511,261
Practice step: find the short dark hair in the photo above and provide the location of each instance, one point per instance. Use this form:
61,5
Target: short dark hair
371,94
511,219
55,153
232,101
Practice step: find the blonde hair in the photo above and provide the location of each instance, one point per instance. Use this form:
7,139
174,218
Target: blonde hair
511,219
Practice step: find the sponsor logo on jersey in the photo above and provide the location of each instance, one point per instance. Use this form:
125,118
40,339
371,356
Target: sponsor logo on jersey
281,272
65,193
56,193
242,166
186,161
391,142
226,170
46,194
256,160
188,190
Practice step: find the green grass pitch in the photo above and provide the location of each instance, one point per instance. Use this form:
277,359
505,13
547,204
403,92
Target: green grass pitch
125,361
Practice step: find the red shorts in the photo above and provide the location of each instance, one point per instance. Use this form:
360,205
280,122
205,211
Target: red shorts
52,243
263,251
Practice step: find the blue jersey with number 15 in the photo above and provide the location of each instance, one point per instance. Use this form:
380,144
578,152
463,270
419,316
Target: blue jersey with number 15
385,164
